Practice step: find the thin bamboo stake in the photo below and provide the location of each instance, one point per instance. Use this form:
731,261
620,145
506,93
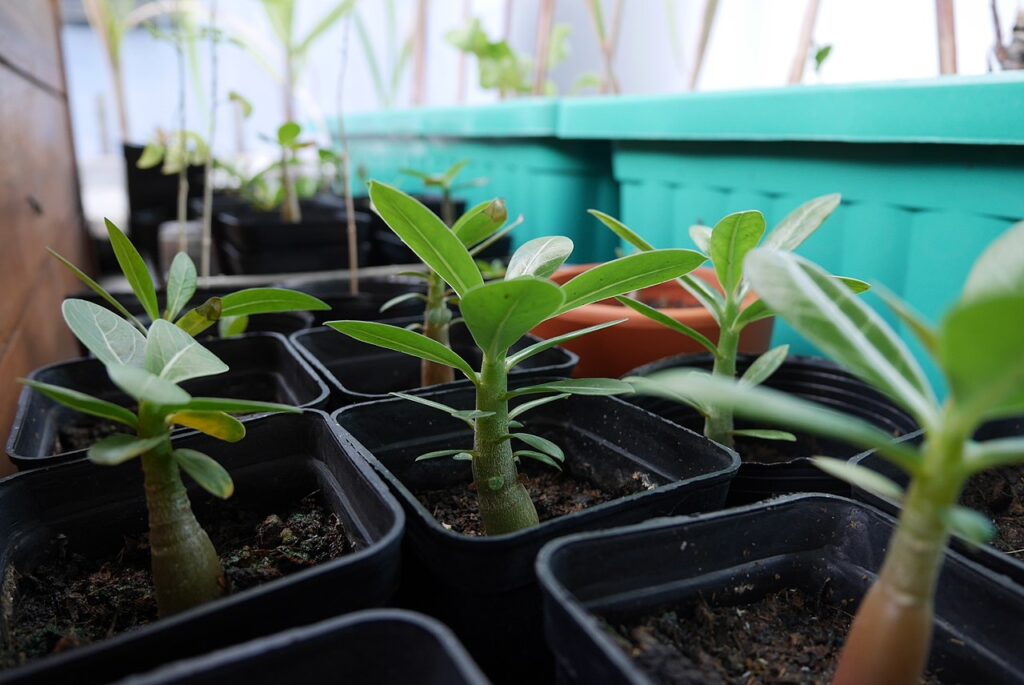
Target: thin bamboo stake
545,20
509,5
419,55
803,44
460,87
710,10
346,173
207,238
607,36
947,36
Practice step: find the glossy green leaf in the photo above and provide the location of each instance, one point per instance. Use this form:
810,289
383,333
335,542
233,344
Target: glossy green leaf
147,387
454,171
206,472
765,365
626,274
197,320
399,299
427,236
969,525
181,285
764,434
756,311
401,340
470,415
701,237
993,454
481,222
175,356
86,404
216,424
439,454
499,313
538,456
233,406
731,240
541,445
119,448
134,269
109,337
1000,268
539,257
288,134
643,385
538,347
924,332
834,319
802,222
668,322
268,301
861,477
98,289
232,326
620,229
855,285
521,409
151,155
576,386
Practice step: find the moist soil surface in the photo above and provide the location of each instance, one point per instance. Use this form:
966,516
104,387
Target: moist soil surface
554,494
83,432
786,637
999,495
70,600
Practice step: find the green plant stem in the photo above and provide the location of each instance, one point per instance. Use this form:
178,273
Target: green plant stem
182,205
290,211
505,504
186,569
719,425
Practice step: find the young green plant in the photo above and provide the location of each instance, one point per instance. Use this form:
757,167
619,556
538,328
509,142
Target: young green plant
727,245
979,349
231,311
148,366
498,314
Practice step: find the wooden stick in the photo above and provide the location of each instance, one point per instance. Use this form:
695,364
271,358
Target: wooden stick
606,40
947,36
803,44
710,9
419,64
460,87
545,19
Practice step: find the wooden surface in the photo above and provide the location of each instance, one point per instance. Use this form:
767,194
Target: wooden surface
39,205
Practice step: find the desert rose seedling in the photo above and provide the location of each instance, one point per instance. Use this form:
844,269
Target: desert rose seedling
497,315
149,367
727,245
230,311
979,349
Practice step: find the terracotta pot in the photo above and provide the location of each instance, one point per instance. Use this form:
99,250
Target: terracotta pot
613,351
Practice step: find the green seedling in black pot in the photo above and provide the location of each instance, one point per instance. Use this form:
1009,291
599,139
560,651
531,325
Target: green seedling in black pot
497,315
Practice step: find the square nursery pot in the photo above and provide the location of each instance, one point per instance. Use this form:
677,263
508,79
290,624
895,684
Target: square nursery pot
376,647
772,468
360,372
374,292
262,366
91,510
387,248
999,494
484,588
827,547
254,242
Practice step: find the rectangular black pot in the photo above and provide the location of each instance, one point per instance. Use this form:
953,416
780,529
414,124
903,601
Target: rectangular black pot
484,587
253,242
809,378
988,556
282,459
376,647
360,372
374,292
263,366
816,543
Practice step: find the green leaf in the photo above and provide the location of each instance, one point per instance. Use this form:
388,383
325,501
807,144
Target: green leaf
427,236
466,415
731,240
533,404
764,434
538,347
924,332
470,415
539,257
438,454
670,323
119,448
213,423
202,317
98,289
834,319
86,404
453,171
147,387
969,525
861,477
339,11
151,155
654,388
757,311
181,285
134,269
626,274
541,445
206,472
993,454
620,229
538,456
501,312
765,365
576,386
232,326
980,351
241,102
480,222
855,285
399,299
268,301
288,133
109,337
802,222
175,356
701,237
401,340
1000,268
233,406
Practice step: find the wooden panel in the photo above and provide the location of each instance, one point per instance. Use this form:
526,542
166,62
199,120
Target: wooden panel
28,40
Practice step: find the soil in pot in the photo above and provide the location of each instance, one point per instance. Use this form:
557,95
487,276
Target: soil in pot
999,495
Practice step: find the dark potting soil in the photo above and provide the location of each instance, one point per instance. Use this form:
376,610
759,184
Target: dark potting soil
758,451
786,637
70,600
83,432
999,494
554,494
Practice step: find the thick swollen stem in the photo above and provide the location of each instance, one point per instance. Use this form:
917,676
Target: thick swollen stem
436,324
719,425
891,634
505,504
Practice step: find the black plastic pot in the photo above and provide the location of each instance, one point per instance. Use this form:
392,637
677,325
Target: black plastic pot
484,587
359,372
379,647
263,366
374,292
282,459
813,379
988,556
254,242
827,546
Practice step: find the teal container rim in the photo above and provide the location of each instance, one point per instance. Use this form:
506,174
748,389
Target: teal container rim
526,118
